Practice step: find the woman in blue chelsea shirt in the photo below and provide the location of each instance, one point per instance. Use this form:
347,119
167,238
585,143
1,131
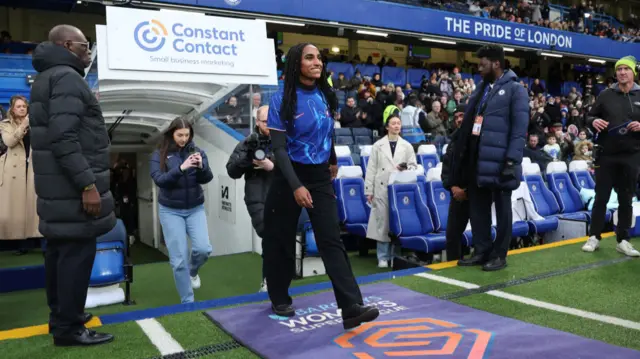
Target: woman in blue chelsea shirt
301,129
179,168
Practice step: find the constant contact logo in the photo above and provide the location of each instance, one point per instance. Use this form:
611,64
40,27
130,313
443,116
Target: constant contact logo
150,35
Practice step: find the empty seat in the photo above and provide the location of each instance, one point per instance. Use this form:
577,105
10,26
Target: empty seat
544,201
363,140
368,70
343,154
580,175
427,156
365,152
362,131
344,140
409,217
109,266
395,75
413,135
353,209
568,197
343,132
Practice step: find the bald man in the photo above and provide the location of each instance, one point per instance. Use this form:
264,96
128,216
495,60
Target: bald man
257,173
71,166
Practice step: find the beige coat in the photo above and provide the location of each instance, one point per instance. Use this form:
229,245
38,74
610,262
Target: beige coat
18,216
380,166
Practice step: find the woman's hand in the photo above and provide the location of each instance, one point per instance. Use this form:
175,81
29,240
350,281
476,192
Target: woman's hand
303,197
190,162
370,198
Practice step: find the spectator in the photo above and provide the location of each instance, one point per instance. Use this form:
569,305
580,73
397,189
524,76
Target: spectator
552,148
350,114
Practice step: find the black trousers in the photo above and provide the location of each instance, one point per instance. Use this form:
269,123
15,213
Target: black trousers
480,201
68,264
457,220
281,218
621,174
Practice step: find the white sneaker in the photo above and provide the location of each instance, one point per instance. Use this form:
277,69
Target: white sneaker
383,264
263,286
592,244
626,248
195,282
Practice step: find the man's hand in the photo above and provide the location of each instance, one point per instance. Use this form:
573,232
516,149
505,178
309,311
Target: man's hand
459,194
600,124
634,126
334,171
91,201
265,164
303,197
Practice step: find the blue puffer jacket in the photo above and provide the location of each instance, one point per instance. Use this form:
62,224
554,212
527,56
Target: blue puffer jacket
180,190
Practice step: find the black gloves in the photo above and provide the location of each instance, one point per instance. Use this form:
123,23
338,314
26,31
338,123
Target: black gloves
508,171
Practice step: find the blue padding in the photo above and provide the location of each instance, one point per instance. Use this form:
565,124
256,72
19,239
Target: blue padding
543,199
545,225
395,75
368,70
414,77
364,161
108,266
467,237
568,197
362,131
344,140
582,179
520,229
428,161
338,67
345,161
353,209
22,278
310,241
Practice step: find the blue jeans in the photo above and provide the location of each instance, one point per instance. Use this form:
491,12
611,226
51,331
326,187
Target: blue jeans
176,225
386,251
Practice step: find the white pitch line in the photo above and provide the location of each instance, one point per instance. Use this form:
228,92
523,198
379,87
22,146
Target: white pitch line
160,337
537,303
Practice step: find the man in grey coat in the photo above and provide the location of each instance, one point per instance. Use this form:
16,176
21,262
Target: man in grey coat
71,167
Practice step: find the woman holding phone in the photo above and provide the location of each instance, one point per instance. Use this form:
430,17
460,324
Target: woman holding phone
389,154
179,169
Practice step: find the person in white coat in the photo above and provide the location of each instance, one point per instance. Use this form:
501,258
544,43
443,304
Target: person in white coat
389,154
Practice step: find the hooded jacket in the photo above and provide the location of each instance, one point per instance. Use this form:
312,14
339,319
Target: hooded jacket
70,147
617,107
502,137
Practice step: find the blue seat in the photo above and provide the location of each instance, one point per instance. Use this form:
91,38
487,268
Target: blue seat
353,209
409,217
365,152
362,131
344,140
311,248
395,75
543,200
414,77
568,197
364,140
368,70
427,156
338,67
413,135
110,264
343,154
343,132
580,176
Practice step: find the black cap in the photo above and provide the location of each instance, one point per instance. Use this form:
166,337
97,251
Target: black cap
460,108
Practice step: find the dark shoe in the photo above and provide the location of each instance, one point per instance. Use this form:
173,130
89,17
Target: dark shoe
473,261
283,310
84,338
357,315
494,265
86,317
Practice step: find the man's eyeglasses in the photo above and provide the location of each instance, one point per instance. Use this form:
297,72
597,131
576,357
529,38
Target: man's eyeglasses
85,45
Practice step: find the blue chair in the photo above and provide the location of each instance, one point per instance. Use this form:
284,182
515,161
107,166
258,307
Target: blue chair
427,156
568,197
409,217
580,176
343,154
543,200
365,153
112,264
353,209
413,135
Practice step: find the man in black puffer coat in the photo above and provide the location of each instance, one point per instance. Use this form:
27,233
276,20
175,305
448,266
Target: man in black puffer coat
257,174
71,166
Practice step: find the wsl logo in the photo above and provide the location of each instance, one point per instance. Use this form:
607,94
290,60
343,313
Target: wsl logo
150,35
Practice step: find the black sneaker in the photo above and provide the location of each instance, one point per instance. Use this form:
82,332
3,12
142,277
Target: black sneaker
357,315
283,310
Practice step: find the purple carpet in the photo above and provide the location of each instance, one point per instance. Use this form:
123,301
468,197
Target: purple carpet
410,325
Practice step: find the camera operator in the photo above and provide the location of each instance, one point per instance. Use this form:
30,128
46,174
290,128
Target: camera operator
253,159
616,155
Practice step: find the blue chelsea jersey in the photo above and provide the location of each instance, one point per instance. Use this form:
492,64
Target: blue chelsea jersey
309,142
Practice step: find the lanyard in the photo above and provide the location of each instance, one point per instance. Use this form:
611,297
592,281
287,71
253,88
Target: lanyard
483,101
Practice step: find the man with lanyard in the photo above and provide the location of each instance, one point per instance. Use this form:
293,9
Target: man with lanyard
487,157
614,118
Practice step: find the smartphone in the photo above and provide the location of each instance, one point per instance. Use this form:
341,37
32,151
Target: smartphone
403,166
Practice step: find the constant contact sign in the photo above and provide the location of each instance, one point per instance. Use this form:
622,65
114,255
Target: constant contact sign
184,42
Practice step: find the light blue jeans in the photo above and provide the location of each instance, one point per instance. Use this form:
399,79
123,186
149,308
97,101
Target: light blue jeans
386,251
176,225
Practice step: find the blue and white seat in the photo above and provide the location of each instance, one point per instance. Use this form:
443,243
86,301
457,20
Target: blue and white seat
353,209
580,176
343,154
427,156
365,153
544,201
568,197
409,217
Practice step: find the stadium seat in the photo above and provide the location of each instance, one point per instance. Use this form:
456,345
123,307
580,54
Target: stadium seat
427,156
338,67
413,135
109,264
395,75
580,176
414,77
343,154
344,141
568,197
365,152
368,70
409,217
544,201
311,248
353,209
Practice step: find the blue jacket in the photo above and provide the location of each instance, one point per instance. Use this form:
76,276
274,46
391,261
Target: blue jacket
180,190
504,129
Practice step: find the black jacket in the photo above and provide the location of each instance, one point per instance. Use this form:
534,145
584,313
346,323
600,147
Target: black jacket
70,147
616,107
256,185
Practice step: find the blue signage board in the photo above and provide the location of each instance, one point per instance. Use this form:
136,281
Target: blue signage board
430,22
